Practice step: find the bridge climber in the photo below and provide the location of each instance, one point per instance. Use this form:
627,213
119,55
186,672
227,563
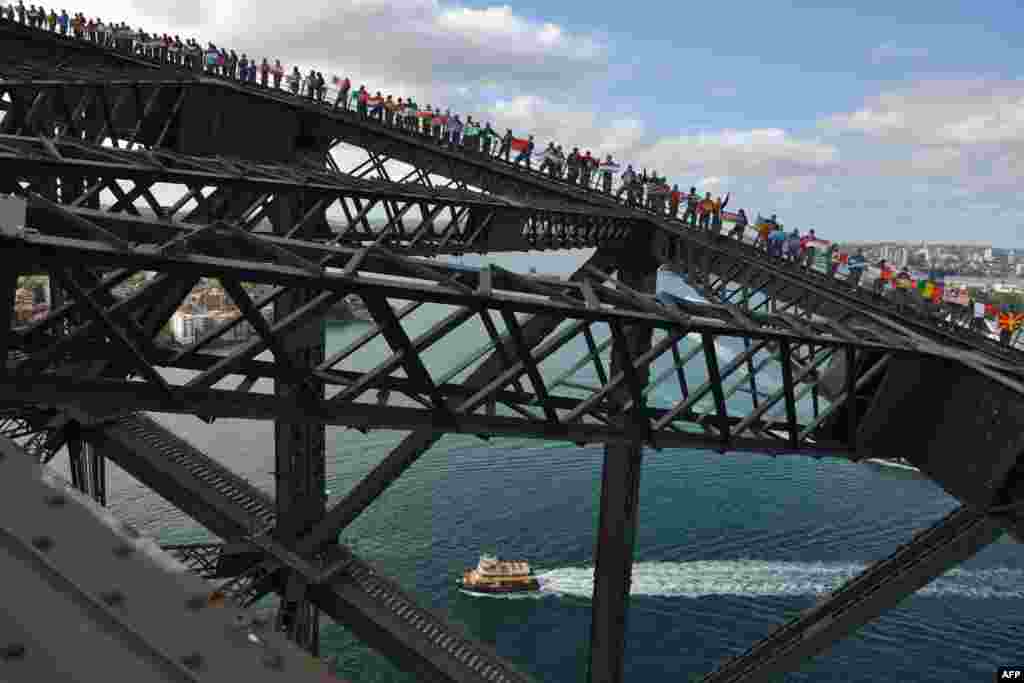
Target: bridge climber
855,374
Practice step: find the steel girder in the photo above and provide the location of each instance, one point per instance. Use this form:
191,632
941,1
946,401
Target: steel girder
725,269
165,96
931,553
564,412
806,304
164,185
345,587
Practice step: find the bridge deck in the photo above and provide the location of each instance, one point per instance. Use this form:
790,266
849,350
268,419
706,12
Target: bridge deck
90,600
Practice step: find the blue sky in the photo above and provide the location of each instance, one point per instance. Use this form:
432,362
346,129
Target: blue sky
896,120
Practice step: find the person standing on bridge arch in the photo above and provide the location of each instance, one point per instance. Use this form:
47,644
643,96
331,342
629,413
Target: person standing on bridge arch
389,110
437,124
525,154
606,174
506,146
455,131
674,198
706,208
278,72
294,78
716,213
264,72
342,97
692,201
362,98
739,228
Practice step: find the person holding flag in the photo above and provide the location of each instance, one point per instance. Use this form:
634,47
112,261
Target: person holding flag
607,168
525,148
471,135
377,107
884,277
856,265
438,123
425,117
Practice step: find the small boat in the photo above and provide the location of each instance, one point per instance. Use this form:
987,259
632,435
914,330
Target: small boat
500,576
898,463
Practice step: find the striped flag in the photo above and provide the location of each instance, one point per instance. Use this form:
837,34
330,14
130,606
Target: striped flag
375,102
610,167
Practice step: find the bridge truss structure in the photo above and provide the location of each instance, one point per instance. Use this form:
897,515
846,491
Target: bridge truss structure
114,166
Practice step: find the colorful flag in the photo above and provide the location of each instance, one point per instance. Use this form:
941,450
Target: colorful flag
519,144
610,167
937,294
957,295
991,310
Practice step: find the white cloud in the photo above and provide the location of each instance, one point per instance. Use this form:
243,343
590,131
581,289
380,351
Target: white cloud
942,112
531,114
969,131
763,153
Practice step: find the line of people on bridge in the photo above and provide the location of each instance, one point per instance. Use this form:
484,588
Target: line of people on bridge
584,169
646,190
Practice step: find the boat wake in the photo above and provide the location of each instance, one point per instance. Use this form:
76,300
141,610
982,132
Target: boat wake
766,578
533,595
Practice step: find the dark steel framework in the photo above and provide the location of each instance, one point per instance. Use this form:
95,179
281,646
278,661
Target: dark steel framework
814,351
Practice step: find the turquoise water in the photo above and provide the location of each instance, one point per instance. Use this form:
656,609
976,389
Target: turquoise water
728,546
